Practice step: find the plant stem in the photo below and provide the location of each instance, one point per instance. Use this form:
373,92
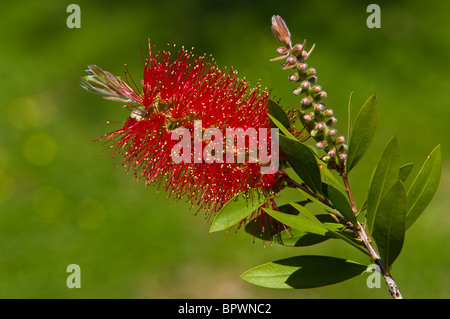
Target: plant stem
359,231
390,282
303,187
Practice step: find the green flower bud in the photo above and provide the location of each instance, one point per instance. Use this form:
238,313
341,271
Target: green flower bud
319,107
332,132
312,79
326,158
309,117
332,121
302,67
304,55
291,59
322,144
320,126
282,50
281,31
327,113
340,140
321,96
311,72
316,89
297,49
305,85
314,133
294,77
343,148
306,101
298,91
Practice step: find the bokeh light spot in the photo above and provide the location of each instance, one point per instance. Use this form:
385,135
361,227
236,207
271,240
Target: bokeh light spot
7,187
28,112
48,202
40,149
90,214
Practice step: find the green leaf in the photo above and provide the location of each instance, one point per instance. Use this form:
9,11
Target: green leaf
297,238
363,131
303,272
349,131
384,175
283,129
341,203
327,174
303,162
307,213
424,186
238,208
405,170
302,223
363,207
331,227
281,235
389,228
268,228
278,113
317,202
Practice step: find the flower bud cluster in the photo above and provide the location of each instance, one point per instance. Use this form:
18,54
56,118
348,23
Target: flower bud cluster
103,82
315,117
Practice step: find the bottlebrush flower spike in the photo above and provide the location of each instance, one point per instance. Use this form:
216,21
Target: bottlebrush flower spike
176,91
316,119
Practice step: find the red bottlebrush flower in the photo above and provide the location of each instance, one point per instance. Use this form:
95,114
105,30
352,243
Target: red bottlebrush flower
177,92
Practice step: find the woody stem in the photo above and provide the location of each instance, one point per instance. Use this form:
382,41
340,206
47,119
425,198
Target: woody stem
359,229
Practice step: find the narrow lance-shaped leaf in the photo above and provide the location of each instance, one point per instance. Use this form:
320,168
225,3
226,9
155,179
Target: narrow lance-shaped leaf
236,209
303,272
327,174
424,186
278,113
384,175
283,129
389,228
303,162
316,201
405,170
339,235
363,132
403,174
342,204
267,228
349,125
303,223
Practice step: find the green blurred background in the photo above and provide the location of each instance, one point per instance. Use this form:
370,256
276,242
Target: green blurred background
62,203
